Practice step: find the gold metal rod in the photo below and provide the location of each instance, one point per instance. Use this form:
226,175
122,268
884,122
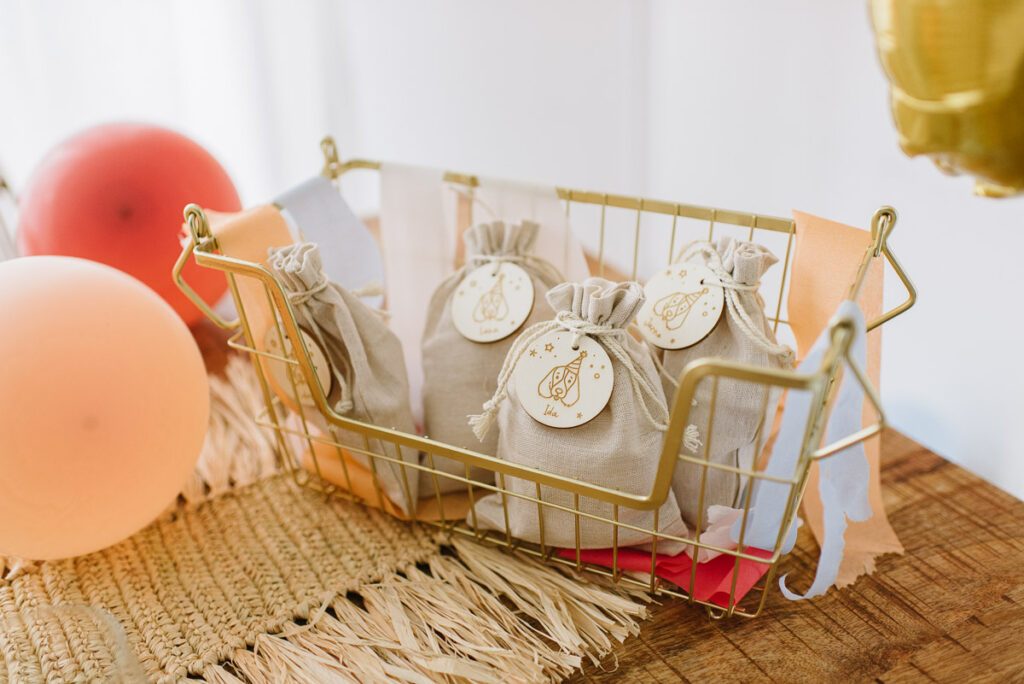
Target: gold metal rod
472,509
285,457
636,239
411,503
373,470
339,450
672,237
908,285
708,433
861,435
782,284
654,553
739,218
540,518
576,509
615,543
437,487
504,506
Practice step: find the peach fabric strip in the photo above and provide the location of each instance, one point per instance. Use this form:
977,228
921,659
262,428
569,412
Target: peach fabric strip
826,258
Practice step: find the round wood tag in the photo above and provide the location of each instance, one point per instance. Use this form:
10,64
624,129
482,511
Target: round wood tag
492,302
561,386
683,304
283,375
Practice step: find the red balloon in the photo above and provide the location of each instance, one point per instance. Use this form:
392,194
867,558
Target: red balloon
115,194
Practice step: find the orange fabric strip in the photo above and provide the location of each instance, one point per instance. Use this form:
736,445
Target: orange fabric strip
825,261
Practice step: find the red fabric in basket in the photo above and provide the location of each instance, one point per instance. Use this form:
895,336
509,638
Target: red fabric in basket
713,579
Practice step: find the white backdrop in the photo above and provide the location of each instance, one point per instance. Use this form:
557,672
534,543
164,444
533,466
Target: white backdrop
764,106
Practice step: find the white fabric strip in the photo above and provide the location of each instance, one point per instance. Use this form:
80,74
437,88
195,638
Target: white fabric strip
316,212
843,481
511,201
418,255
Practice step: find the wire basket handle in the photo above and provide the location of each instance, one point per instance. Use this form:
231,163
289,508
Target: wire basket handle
882,224
199,234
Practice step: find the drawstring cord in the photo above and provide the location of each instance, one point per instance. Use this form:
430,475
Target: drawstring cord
345,404
740,316
544,268
737,311
296,297
691,434
566,320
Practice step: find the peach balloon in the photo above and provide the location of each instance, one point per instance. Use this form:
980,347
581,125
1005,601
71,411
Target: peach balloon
104,405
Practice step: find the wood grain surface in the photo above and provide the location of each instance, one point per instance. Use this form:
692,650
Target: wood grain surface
951,609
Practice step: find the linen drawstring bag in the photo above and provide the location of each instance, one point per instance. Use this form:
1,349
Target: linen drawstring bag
367,372
460,373
618,448
743,334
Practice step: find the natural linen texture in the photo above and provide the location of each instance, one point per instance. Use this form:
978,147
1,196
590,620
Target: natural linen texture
460,374
618,449
368,370
744,334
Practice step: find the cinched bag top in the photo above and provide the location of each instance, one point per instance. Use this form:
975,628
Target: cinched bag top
500,239
746,261
598,301
300,268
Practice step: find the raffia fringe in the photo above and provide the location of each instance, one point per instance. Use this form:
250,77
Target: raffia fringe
475,615
237,451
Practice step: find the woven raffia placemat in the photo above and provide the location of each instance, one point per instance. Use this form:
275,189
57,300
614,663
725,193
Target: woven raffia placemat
252,578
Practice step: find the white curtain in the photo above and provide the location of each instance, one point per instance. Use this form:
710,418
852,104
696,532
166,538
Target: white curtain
255,82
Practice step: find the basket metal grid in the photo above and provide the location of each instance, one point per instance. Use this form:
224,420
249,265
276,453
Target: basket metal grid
646,222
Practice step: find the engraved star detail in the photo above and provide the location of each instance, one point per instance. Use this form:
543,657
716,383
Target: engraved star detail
579,416
549,347
533,352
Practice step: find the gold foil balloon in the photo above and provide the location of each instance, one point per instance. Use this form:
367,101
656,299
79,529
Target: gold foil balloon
956,68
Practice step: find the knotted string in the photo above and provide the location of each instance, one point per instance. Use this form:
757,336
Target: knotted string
301,297
345,404
692,441
691,434
609,337
541,266
734,305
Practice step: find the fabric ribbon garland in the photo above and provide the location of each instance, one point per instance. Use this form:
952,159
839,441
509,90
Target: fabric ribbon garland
843,482
570,322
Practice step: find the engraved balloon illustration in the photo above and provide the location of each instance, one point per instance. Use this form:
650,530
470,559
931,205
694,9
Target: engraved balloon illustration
562,383
492,305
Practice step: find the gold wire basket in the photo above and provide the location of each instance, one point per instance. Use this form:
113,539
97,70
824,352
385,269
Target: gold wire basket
676,222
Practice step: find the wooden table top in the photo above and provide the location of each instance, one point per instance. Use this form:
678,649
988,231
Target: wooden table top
950,609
